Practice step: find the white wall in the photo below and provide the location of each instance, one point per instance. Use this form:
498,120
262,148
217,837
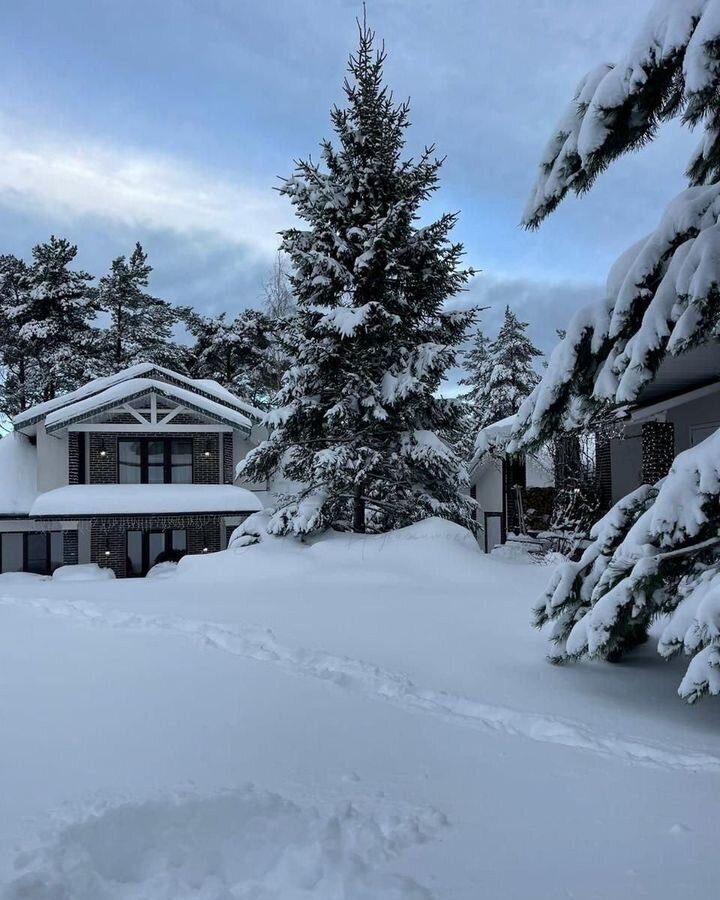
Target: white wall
242,445
52,458
705,411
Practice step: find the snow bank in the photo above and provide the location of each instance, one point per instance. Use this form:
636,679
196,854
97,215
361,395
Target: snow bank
431,545
18,480
114,499
239,844
84,572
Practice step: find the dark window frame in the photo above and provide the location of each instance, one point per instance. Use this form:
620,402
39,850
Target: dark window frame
48,535
145,540
167,464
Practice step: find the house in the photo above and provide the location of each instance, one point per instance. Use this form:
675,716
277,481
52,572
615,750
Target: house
676,411
126,471
634,444
508,488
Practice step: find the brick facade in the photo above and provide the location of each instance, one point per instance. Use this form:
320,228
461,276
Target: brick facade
228,462
104,455
70,548
108,547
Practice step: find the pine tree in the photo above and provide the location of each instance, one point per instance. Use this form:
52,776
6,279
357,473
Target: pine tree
238,354
141,326
55,318
509,376
475,363
19,386
360,423
657,553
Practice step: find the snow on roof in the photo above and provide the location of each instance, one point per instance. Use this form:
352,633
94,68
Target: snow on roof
490,436
144,499
18,467
135,387
99,385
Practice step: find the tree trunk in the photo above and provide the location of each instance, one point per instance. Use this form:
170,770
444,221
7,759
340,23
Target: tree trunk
358,511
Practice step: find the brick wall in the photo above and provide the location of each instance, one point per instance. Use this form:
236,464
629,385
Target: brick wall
70,548
74,442
104,468
228,461
108,546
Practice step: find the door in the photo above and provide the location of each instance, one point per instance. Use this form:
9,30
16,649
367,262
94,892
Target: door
493,531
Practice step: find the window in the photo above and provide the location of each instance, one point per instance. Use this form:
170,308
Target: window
39,552
146,549
155,460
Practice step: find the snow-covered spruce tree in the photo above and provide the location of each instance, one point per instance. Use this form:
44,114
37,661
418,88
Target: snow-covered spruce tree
475,364
662,299
238,353
360,424
141,326
509,375
55,318
19,368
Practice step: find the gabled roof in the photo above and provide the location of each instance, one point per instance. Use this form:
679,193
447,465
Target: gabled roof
134,389
203,387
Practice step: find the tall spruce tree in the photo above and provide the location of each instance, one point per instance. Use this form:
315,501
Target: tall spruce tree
55,318
141,326
360,423
508,373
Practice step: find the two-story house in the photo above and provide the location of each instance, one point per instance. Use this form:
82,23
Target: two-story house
126,471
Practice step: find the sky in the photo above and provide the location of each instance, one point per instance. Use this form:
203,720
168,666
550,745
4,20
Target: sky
171,121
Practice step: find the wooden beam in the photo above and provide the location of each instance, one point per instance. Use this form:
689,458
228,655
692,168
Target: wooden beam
135,414
153,429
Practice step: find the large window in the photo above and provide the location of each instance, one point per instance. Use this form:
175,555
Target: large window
40,552
147,548
155,460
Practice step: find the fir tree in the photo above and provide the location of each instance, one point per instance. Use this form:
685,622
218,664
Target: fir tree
360,422
55,318
238,354
19,386
508,373
141,326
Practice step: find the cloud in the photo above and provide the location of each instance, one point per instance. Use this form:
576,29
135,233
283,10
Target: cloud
51,176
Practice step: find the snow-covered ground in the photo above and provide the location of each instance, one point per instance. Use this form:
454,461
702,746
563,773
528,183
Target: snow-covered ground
360,718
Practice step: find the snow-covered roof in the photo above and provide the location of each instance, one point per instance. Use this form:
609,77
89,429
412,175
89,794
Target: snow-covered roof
138,387
18,479
490,436
206,386
144,499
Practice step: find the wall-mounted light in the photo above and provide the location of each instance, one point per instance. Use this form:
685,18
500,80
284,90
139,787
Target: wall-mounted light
103,449
205,550
208,450
107,548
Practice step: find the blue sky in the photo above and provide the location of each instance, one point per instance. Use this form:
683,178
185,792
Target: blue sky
169,122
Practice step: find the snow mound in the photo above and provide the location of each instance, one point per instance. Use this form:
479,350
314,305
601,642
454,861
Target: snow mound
83,572
239,844
428,545
163,570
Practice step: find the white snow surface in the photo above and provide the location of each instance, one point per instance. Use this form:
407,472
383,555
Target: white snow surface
18,474
349,718
113,499
98,385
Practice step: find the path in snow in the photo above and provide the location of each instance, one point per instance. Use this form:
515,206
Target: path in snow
236,844
254,643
